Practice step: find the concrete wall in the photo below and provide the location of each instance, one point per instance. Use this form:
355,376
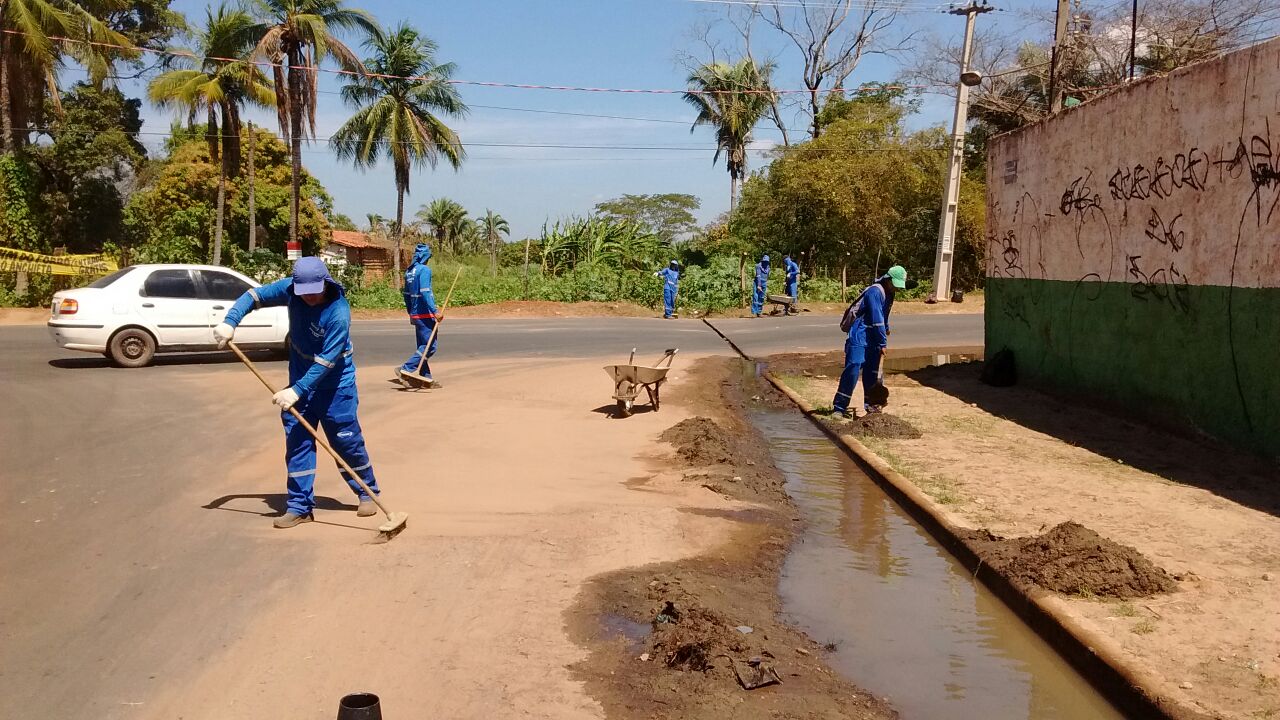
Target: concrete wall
1134,248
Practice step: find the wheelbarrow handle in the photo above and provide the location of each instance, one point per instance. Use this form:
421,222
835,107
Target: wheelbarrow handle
668,356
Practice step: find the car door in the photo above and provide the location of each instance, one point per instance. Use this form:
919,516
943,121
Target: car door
223,289
170,301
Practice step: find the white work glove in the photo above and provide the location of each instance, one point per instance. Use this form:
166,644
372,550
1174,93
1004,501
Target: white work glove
285,398
223,334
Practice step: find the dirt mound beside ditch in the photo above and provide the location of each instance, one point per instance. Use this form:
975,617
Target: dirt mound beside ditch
878,425
1074,560
700,441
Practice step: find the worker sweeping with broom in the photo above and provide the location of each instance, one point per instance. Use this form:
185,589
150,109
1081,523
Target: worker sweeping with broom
420,302
322,383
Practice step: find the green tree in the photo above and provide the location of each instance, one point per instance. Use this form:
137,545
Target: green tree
396,106
731,98
296,36
669,215
30,56
342,222
218,88
447,221
492,227
89,166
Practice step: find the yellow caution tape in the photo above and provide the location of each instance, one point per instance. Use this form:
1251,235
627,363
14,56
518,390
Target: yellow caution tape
12,260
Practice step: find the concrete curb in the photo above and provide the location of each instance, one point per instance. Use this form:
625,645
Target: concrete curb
1133,692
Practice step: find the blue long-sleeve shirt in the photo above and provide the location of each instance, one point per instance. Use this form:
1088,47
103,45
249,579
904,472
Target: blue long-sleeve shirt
762,276
670,277
319,336
419,299
793,270
870,326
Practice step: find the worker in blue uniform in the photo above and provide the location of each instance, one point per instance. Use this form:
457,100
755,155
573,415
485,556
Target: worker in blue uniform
322,381
420,302
792,285
761,286
670,286
868,336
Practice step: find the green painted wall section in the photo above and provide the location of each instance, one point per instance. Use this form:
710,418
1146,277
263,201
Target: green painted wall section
1204,356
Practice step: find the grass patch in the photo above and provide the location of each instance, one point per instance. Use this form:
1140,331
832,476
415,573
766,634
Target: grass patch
1126,610
1146,627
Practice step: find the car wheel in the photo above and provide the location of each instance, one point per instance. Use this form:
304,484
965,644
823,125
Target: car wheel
283,352
132,348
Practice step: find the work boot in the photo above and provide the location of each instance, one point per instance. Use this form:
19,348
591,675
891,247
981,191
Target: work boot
366,508
842,415
291,519
873,409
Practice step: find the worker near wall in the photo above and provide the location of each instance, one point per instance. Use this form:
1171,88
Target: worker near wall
670,286
864,347
420,303
792,285
322,381
761,286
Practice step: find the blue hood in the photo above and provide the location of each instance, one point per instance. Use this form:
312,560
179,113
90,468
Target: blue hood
421,254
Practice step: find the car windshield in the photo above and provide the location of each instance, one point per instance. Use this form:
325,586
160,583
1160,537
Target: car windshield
105,281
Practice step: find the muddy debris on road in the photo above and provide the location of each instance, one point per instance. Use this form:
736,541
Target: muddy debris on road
1074,560
699,441
877,425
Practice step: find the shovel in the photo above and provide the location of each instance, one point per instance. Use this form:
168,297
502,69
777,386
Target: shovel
396,521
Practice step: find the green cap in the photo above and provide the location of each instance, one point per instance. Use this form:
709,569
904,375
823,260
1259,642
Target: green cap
898,275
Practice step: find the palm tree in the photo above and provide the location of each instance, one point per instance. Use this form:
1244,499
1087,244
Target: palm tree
30,55
218,88
394,119
447,221
732,99
492,227
296,36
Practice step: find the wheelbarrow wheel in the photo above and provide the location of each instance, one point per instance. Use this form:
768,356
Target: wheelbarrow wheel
624,408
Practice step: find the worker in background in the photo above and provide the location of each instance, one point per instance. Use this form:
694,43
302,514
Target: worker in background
420,302
761,286
868,337
670,286
792,286
322,381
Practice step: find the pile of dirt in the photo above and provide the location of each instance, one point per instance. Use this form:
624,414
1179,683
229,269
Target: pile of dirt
1074,560
878,425
699,441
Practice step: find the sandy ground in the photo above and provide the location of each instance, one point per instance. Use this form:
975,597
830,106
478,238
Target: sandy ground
1016,462
516,493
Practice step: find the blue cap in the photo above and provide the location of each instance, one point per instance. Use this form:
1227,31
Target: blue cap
764,259
309,275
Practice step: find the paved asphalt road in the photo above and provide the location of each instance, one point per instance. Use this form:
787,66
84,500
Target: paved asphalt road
90,453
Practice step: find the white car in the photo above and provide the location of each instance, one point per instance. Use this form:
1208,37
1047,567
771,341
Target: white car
138,311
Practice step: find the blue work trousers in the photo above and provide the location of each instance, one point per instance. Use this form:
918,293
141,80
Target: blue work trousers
793,289
334,410
422,329
757,299
668,301
858,360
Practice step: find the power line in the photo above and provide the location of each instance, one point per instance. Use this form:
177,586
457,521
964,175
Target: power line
475,83
891,6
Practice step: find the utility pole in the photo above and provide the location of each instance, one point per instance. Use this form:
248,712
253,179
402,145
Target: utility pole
1133,41
1059,39
253,209
951,194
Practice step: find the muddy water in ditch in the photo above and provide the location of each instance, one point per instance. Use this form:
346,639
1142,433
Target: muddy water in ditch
908,621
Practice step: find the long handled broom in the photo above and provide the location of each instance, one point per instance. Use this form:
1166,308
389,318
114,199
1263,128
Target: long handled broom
417,374
396,521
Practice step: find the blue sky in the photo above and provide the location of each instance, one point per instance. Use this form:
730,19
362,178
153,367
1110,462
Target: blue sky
598,43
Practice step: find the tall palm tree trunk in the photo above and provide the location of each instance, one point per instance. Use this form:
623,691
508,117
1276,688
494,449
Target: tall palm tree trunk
295,137
222,207
493,253
733,192
6,107
399,231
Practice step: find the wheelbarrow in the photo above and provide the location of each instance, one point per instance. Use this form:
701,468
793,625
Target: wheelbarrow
629,378
787,303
